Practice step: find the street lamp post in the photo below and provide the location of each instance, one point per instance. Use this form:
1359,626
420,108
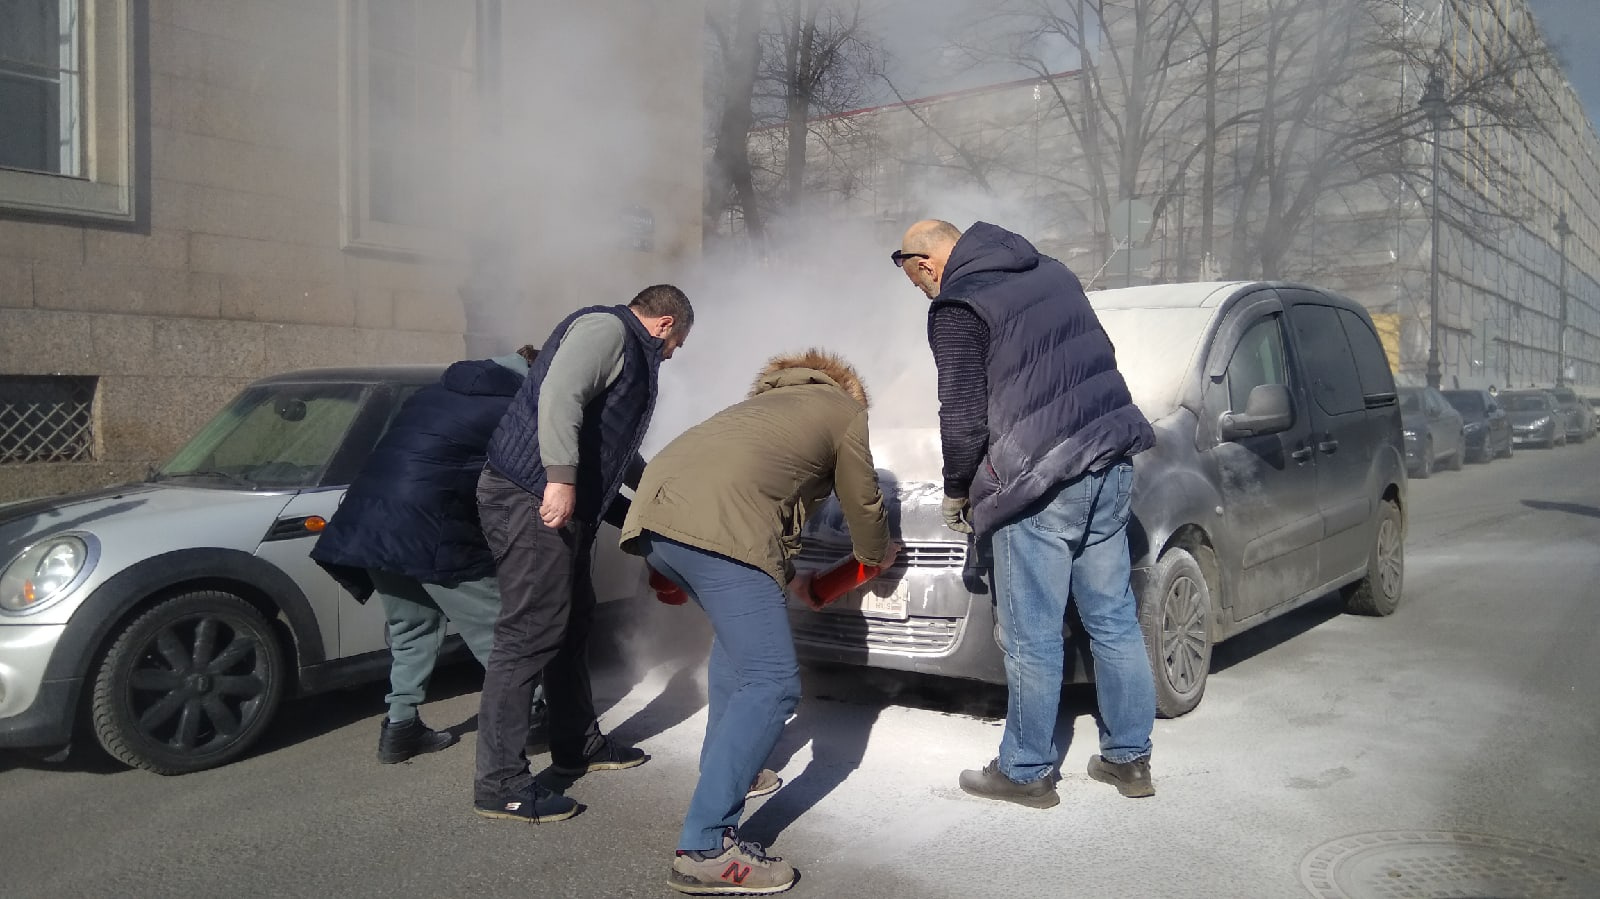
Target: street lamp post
1438,109
1563,231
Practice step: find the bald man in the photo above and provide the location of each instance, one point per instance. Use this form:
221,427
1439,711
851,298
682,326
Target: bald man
1038,430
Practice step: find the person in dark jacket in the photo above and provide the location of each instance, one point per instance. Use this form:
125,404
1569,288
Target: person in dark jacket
1038,429
719,513
407,530
566,446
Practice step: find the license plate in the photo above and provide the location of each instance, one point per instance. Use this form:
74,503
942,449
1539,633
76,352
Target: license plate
877,599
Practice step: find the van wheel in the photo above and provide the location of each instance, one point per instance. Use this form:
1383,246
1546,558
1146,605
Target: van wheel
1378,592
188,685
1176,619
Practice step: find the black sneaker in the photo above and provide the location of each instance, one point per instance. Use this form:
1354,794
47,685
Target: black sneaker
534,803
398,742
990,783
740,869
1132,779
610,756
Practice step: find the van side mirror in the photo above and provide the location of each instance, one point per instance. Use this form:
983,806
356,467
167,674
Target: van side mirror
1268,411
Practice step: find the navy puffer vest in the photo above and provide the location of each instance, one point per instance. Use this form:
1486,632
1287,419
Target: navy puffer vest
1058,407
614,423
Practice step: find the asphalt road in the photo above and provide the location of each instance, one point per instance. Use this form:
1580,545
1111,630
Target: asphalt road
1472,709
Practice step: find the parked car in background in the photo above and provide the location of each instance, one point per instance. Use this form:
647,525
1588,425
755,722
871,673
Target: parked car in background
169,618
1485,426
1579,417
1435,433
1536,419
1277,477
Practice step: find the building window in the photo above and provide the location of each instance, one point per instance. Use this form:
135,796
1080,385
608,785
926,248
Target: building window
66,111
409,92
46,418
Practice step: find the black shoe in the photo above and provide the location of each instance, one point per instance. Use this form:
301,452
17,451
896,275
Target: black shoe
991,784
1132,779
534,804
608,757
398,742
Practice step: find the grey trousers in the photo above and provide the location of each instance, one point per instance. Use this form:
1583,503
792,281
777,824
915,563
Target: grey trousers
416,615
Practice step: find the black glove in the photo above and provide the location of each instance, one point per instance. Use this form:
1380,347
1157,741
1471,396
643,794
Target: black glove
954,510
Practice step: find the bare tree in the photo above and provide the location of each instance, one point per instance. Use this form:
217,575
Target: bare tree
734,27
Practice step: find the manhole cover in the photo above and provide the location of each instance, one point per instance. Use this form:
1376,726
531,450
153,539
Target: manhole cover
1408,864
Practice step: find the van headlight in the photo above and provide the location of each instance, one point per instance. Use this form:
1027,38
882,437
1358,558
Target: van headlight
44,573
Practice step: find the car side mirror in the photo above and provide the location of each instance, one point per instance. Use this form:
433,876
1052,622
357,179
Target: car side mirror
1268,411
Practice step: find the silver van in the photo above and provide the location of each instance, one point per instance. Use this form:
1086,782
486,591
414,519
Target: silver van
1278,476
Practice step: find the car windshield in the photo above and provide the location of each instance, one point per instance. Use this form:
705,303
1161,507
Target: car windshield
271,436
1465,400
1524,403
1410,401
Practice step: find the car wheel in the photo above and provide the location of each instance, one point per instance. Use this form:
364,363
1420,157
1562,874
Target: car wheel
1378,591
1425,468
188,685
1176,619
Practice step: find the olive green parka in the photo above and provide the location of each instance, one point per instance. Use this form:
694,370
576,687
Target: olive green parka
742,483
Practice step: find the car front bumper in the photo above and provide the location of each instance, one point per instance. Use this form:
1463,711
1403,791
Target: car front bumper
1520,436
34,711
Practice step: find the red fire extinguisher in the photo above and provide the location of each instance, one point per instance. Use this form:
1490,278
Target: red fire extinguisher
848,574
666,590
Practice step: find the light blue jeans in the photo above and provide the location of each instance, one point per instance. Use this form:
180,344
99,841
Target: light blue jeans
753,680
1072,542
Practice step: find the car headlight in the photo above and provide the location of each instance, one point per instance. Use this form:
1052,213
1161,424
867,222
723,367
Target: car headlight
1540,423
44,573
1473,427
1409,433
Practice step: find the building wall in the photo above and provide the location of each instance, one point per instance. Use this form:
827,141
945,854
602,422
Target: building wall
249,251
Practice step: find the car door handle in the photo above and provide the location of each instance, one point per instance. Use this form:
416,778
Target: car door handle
1303,454
1328,446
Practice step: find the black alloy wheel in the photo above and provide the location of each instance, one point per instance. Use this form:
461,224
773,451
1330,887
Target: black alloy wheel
1379,591
189,684
1176,619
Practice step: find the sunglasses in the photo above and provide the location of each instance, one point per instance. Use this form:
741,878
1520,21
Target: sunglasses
900,257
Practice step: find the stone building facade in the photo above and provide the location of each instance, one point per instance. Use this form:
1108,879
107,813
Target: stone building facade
197,193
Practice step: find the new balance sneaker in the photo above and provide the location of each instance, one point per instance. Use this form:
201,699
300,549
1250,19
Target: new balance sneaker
398,742
765,783
610,756
740,869
1132,779
991,783
535,804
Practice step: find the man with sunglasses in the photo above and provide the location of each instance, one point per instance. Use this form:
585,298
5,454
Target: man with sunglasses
1037,429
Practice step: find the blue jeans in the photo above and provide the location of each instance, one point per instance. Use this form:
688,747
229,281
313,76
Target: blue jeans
753,680
1074,540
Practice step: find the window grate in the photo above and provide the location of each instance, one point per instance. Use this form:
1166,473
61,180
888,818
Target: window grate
46,418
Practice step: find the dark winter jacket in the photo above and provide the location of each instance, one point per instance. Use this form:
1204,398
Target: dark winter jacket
1057,405
614,422
413,509
742,483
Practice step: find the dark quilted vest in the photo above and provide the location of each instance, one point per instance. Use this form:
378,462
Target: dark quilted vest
614,423
1058,407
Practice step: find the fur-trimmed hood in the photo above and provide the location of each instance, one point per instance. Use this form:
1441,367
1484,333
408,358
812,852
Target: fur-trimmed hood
814,366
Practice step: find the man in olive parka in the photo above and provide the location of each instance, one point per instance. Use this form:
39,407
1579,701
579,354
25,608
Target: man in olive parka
719,512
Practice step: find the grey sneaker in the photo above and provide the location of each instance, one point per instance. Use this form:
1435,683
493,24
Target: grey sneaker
766,782
1132,779
740,869
990,783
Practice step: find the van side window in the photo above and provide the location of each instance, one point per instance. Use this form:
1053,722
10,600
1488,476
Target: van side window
1257,360
1330,366
1372,364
